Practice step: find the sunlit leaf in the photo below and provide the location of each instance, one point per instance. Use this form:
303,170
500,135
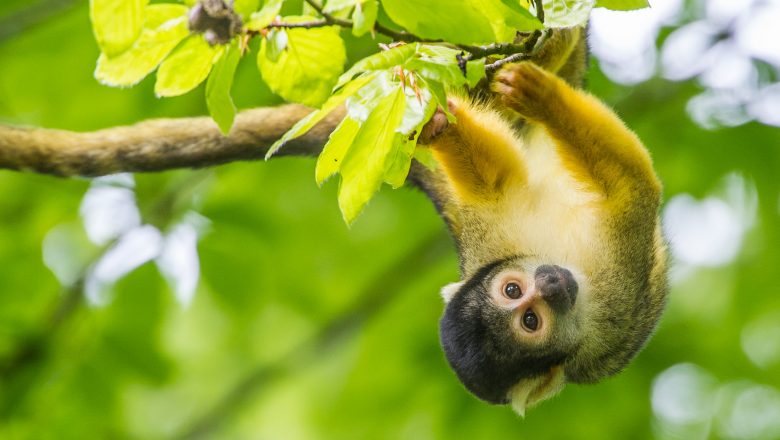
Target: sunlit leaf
338,5
218,99
622,5
364,17
380,61
363,167
566,13
165,27
455,21
507,17
277,43
306,123
333,153
420,106
264,16
440,64
245,7
475,71
399,160
116,23
309,67
361,104
186,67
440,94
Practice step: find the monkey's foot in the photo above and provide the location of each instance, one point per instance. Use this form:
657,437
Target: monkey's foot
527,89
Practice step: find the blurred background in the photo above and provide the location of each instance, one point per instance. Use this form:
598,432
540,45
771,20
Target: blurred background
234,302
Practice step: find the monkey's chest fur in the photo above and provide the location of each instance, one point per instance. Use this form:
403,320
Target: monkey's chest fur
550,217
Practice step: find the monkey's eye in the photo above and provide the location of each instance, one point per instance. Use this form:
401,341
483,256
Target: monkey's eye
530,320
512,291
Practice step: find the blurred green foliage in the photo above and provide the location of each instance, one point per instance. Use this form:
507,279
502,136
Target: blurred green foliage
300,327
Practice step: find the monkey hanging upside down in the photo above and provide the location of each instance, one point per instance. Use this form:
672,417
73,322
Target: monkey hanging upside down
556,222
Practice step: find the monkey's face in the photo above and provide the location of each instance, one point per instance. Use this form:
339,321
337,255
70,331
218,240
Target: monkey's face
513,321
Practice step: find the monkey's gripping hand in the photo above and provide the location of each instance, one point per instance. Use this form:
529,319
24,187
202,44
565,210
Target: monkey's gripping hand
529,90
592,141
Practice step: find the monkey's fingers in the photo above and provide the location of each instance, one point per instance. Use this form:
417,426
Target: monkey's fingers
526,89
434,127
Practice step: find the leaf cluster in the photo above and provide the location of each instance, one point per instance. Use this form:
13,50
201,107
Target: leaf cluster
439,47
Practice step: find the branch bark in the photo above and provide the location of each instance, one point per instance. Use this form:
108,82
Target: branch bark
158,144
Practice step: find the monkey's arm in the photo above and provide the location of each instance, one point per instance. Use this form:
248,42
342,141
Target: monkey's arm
478,154
593,142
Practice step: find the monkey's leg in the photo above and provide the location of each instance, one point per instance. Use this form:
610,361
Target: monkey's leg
593,142
479,153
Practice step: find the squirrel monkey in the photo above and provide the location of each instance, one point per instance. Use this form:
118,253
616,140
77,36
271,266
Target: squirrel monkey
563,263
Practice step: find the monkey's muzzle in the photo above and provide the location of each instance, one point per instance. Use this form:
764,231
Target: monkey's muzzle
557,287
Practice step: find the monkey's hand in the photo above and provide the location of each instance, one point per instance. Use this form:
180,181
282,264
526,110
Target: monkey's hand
528,89
437,125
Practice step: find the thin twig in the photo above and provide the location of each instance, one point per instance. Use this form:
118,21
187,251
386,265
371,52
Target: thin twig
378,28
304,25
492,49
376,297
539,10
492,67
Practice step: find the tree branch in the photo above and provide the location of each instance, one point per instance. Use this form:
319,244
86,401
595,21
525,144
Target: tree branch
159,144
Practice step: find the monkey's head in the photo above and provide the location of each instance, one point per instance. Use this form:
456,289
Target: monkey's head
517,331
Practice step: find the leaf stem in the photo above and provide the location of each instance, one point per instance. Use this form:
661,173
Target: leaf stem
539,10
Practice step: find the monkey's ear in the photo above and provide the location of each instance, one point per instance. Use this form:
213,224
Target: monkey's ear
448,291
529,392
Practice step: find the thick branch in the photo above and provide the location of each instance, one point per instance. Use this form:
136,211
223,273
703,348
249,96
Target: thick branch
159,144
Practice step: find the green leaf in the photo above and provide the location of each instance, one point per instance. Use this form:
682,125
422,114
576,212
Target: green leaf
454,21
419,109
306,123
338,5
424,155
187,66
622,5
333,153
566,13
364,17
440,94
218,99
399,161
507,17
361,104
265,16
310,66
165,27
245,7
116,23
475,71
440,64
420,106
277,43
363,168
380,61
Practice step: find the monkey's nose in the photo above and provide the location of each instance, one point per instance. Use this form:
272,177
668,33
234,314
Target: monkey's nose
557,287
